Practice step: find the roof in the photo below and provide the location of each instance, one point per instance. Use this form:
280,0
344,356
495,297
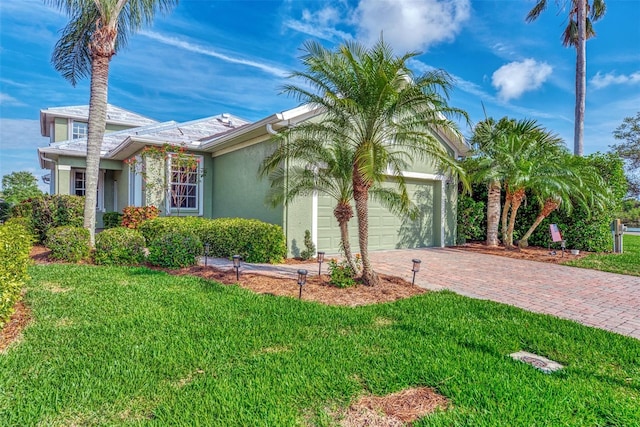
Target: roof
115,115
119,144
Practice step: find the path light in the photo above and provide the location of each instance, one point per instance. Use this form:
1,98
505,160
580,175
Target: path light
236,265
302,279
206,253
415,269
320,261
563,245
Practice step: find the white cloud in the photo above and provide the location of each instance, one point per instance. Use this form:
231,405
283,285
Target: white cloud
600,81
172,41
8,99
411,25
516,78
320,24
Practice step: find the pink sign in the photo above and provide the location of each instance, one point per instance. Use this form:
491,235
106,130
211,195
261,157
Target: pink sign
555,233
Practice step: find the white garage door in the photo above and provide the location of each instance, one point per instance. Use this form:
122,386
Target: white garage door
386,230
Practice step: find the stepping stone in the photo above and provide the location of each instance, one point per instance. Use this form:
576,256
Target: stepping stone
539,362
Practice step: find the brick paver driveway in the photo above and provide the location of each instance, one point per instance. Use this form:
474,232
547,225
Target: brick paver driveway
604,300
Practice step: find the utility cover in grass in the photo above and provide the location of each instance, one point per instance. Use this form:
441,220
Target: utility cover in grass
539,362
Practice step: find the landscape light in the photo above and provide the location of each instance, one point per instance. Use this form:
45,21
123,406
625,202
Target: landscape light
302,279
320,261
236,265
415,269
206,253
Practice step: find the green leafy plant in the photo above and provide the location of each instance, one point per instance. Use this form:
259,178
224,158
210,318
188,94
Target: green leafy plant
175,250
310,249
254,240
342,274
133,216
471,219
15,245
68,243
49,211
112,219
119,246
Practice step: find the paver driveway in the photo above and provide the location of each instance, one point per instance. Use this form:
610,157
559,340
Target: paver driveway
604,300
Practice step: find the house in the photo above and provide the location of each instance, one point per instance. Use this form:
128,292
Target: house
229,151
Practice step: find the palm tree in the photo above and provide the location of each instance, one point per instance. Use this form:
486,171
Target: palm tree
373,103
303,167
95,32
582,14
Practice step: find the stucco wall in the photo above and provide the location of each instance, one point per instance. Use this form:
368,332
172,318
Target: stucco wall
239,191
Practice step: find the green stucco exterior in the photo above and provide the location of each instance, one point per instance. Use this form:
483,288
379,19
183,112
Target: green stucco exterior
238,191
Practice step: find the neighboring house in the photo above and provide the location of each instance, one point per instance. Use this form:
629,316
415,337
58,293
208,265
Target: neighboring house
230,151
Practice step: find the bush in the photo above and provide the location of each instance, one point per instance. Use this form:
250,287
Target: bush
119,246
15,246
471,220
5,211
112,219
175,250
48,212
341,274
133,216
68,243
23,222
310,248
254,240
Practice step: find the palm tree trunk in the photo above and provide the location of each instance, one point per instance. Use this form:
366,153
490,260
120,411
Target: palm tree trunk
581,77
95,134
518,197
550,205
361,198
493,213
343,213
505,218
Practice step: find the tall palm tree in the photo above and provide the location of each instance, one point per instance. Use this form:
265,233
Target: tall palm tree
579,29
95,32
374,103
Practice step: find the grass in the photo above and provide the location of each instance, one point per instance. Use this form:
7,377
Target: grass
130,346
628,262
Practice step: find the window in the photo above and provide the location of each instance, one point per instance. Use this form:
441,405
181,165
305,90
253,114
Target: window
79,183
185,183
79,186
78,130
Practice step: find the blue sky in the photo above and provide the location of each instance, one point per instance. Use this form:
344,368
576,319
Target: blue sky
210,57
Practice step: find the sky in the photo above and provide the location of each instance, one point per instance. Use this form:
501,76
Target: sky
211,57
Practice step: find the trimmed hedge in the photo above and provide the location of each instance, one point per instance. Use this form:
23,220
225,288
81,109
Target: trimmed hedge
119,246
254,240
175,250
112,219
48,212
69,243
133,216
15,247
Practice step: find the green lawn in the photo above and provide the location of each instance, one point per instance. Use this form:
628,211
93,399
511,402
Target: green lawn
119,346
627,262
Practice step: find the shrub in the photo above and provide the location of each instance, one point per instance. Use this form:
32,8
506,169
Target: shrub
15,246
51,211
133,216
341,274
119,246
5,211
175,250
310,248
68,243
254,240
471,219
23,222
111,219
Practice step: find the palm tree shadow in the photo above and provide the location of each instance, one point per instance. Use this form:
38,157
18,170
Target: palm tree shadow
418,232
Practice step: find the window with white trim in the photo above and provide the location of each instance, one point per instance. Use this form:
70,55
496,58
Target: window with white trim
185,183
79,186
78,130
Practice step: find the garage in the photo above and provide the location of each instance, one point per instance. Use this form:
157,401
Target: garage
386,230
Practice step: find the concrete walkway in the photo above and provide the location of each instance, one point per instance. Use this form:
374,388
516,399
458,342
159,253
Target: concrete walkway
594,298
